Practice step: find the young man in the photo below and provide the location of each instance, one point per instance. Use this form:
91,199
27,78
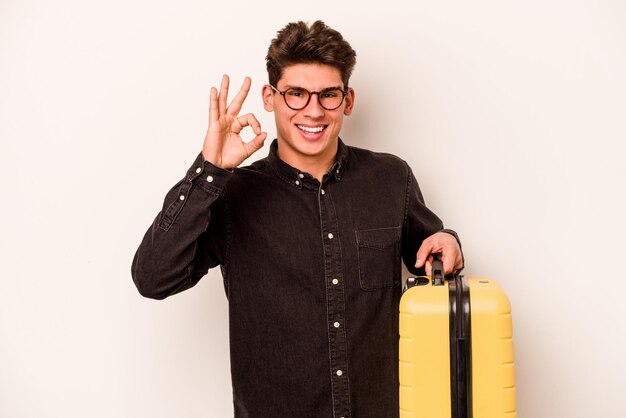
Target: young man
309,240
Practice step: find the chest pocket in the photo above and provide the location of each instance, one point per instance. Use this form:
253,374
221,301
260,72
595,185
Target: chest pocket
378,253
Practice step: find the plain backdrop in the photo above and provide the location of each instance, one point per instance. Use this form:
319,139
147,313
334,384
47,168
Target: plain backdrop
511,113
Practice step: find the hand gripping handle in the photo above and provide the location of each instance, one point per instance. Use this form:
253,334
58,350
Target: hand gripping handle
437,271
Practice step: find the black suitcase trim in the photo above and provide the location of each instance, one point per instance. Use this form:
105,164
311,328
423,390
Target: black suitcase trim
460,348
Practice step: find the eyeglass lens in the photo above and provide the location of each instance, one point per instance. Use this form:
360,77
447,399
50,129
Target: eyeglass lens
298,98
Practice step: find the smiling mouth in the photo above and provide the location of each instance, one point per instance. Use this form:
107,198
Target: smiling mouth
312,129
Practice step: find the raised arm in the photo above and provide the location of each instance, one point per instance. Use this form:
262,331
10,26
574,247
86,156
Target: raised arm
189,235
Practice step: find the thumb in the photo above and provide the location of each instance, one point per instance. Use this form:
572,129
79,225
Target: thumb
256,143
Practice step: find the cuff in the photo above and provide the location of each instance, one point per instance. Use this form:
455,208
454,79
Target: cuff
208,177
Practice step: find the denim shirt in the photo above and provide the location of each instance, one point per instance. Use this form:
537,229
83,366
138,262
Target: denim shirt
311,271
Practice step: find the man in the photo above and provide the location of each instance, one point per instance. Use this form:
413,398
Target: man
309,240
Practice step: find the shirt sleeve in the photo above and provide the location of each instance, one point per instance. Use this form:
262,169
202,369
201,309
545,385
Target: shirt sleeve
419,223
187,237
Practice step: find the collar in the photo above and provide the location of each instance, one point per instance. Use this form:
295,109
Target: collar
301,179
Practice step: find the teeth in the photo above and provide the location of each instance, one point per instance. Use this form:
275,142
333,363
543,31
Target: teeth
311,130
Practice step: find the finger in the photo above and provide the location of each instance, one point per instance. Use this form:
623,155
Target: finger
223,97
213,107
235,105
459,262
429,266
248,120
423,252
448,263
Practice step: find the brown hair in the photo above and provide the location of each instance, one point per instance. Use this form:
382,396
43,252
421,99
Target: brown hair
297,43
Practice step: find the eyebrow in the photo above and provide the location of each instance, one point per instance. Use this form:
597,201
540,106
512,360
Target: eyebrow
324,89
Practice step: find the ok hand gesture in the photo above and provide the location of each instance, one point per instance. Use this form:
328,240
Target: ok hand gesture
223,146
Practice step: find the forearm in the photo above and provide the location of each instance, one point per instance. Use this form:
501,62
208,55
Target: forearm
420,223
167,260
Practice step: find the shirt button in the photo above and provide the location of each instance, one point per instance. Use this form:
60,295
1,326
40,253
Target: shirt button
336,324
323,192
301,175
182,197
297,183
198,170
209,179
339,372
330,235
335,281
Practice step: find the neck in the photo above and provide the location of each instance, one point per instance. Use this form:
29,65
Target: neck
316,165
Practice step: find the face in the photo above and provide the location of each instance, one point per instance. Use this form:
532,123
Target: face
309,134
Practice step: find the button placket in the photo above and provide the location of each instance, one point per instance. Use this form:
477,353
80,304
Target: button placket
335,300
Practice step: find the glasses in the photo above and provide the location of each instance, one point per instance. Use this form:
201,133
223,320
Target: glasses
297,98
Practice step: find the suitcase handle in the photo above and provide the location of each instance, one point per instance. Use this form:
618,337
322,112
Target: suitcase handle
437,277
437,270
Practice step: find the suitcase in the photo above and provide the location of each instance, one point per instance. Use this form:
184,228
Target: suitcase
456,348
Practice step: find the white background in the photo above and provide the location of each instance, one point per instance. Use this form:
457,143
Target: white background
512,114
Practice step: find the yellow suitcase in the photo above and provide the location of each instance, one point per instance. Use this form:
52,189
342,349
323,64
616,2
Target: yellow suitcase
456,348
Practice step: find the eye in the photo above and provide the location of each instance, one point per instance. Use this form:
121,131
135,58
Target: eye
295,92
331,93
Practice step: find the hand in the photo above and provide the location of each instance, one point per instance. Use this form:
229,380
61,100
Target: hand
223,146
444,244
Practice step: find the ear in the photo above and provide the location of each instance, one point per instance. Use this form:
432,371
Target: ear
349,102
268,98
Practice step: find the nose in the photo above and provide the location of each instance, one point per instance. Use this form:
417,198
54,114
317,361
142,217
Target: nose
313,109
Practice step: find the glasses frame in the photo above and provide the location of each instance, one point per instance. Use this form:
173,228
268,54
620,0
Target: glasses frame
344,93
